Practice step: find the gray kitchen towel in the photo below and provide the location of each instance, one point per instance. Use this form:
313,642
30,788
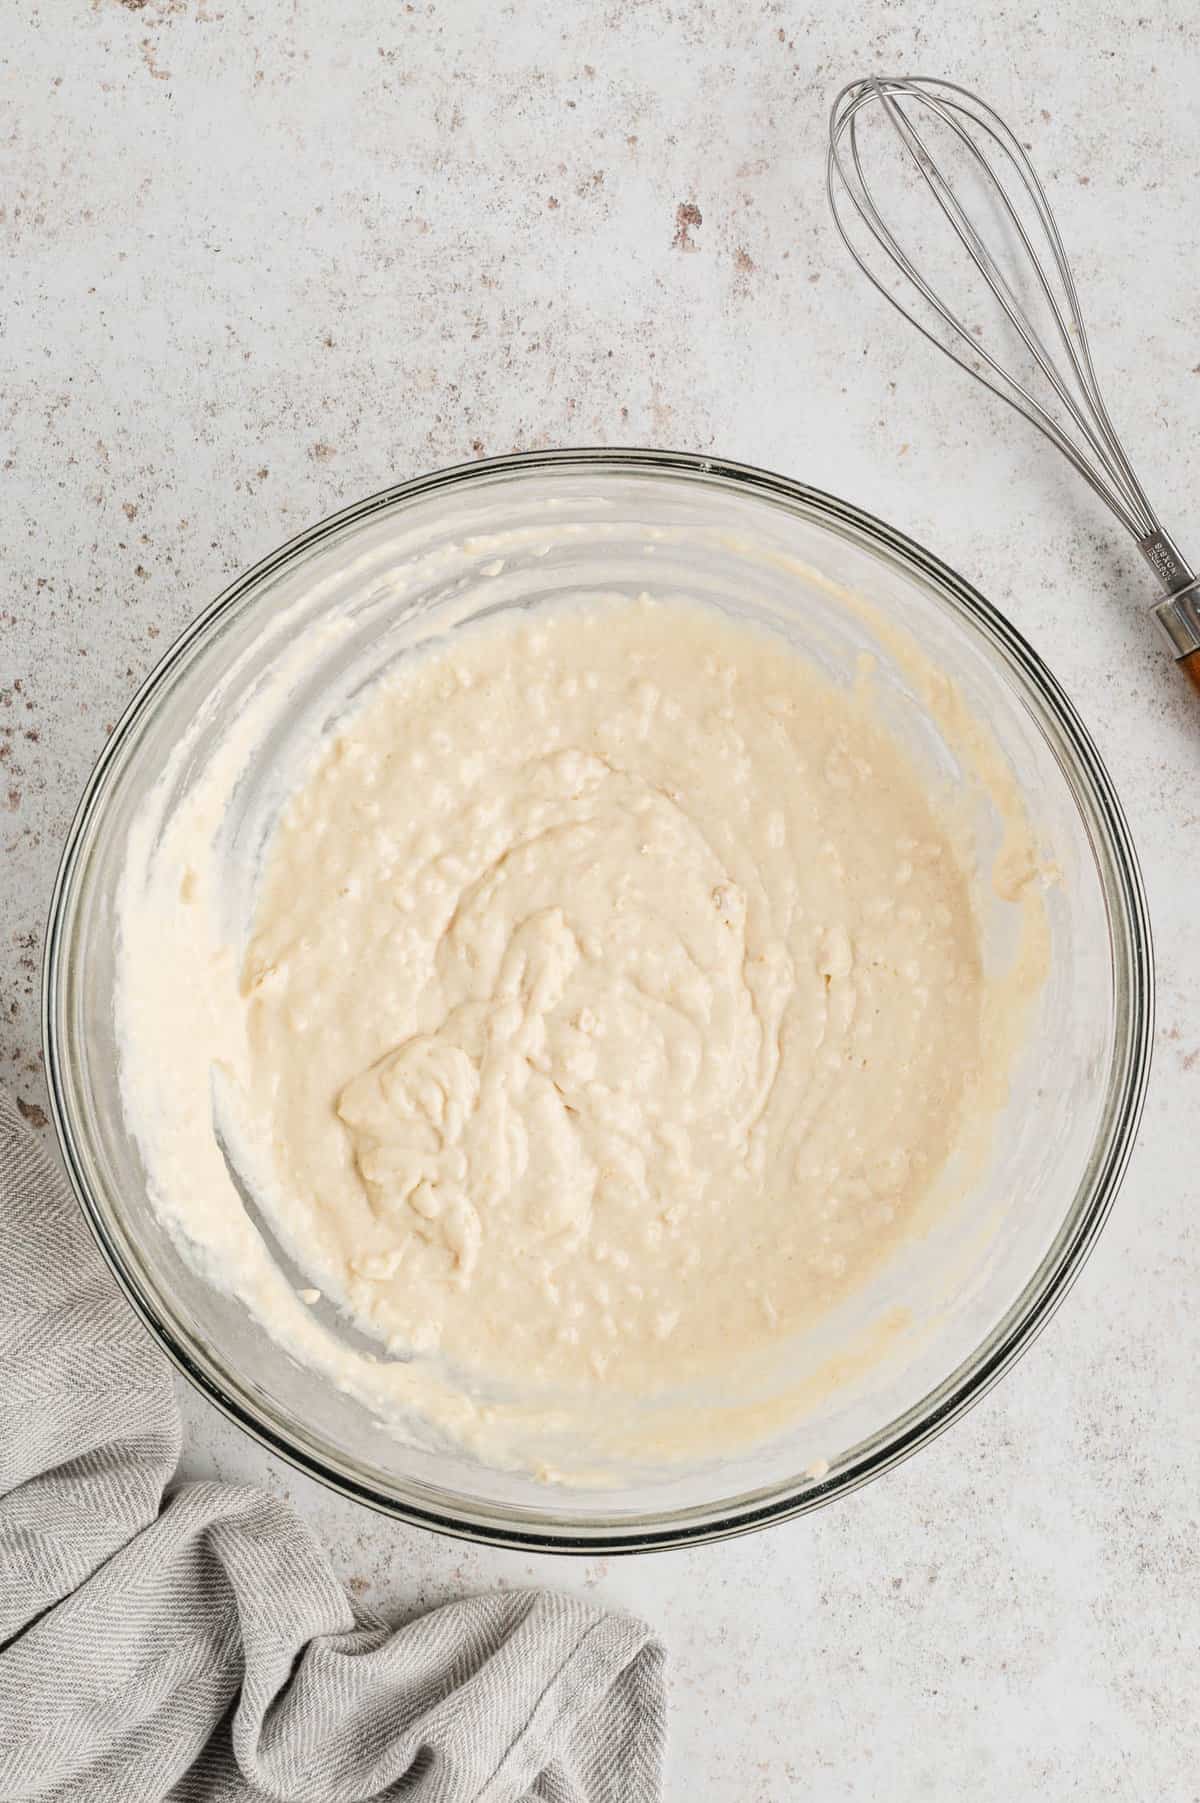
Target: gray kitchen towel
189,1641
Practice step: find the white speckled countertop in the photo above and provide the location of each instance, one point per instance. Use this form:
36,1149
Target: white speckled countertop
262,259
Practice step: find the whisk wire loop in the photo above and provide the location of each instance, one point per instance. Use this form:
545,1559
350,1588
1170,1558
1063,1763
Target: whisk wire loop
1081,427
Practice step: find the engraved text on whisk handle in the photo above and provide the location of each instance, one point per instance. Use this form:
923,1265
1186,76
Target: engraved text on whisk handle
1165,561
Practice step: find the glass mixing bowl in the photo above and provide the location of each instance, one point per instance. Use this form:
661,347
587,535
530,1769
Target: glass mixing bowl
450,547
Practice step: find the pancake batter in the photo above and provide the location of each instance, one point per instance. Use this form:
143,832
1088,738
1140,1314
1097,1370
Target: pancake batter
612,1004
610,978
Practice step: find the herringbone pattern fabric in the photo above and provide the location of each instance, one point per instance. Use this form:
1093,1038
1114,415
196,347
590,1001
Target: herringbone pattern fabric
190,1642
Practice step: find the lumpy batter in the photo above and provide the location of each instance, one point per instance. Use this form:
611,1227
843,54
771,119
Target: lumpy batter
612,1006
611,980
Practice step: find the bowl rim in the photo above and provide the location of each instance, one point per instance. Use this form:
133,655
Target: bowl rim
1132,958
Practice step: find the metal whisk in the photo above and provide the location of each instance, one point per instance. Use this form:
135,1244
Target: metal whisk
1025,269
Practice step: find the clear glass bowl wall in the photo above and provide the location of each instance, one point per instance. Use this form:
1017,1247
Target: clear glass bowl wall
531,531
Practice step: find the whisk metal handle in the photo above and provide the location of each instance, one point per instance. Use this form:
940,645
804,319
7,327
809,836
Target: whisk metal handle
1178,617
1178,614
